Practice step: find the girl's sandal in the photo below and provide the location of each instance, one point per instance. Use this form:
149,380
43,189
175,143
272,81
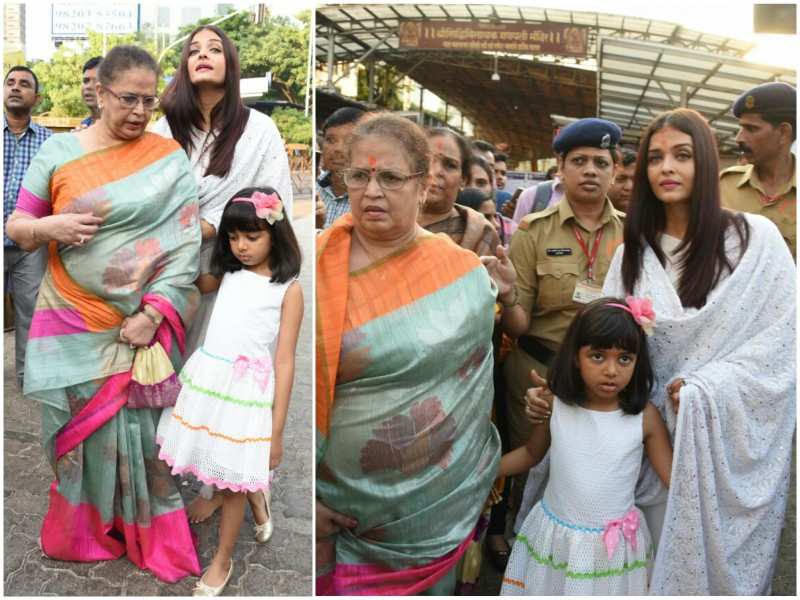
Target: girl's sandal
264,532
201,588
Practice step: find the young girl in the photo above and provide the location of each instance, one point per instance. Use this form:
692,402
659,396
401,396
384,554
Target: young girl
586,536
227,425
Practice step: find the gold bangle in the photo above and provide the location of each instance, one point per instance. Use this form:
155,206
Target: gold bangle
153,319
513,302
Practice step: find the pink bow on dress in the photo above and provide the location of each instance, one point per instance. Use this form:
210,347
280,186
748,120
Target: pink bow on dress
627,526
260,368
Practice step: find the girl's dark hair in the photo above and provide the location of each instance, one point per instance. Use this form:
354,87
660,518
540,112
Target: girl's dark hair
284,256
228,118
602,326
472,197
463,148
703,259
121,58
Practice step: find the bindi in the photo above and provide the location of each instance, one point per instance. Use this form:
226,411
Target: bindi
372,162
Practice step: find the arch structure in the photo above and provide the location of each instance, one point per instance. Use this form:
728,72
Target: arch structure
510,68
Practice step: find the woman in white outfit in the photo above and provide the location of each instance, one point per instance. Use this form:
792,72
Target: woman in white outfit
723,287
230,147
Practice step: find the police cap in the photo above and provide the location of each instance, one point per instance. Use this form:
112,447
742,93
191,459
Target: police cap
596,133
775,97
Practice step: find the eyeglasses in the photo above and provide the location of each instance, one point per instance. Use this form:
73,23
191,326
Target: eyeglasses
131,101
387,179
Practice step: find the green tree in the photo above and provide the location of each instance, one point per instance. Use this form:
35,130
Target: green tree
387,86
278,45
60,78
294,126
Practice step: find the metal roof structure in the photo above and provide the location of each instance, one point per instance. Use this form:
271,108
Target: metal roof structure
517,108
637,80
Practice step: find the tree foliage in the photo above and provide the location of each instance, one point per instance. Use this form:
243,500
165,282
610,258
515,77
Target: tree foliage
294,126
278,45
387,86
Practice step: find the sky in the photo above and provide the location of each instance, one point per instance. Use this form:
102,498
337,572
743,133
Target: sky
730,18
37,33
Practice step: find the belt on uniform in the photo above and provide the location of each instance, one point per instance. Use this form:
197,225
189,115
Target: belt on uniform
536,349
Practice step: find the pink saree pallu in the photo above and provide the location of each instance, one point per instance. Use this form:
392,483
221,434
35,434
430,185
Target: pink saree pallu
112,496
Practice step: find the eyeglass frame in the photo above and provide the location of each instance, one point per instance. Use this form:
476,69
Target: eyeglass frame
137,96
373,174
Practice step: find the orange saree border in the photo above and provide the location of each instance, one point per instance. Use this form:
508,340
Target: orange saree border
421,278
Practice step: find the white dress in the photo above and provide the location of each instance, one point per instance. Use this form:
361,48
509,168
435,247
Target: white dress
221,425
594,463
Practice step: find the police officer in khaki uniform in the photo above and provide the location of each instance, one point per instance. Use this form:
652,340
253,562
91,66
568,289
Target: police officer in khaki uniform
561,256
767,124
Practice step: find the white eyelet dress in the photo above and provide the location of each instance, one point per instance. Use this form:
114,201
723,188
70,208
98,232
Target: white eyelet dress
594,465
221,426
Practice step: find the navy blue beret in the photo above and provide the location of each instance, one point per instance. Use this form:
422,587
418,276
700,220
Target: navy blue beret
596,133
766,98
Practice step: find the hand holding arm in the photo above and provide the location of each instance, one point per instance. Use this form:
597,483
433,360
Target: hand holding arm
538,400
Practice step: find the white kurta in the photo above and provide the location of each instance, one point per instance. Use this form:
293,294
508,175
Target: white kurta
733,433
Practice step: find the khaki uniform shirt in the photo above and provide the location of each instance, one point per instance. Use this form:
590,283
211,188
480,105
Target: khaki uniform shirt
741,190
549,262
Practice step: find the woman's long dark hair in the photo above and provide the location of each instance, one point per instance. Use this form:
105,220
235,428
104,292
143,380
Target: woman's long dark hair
284,256
703,259
228,118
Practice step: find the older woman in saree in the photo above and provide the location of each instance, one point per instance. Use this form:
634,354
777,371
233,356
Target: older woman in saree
406,452
117,208
451,164
230,147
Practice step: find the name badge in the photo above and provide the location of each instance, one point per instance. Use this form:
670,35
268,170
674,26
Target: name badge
586,291
559,251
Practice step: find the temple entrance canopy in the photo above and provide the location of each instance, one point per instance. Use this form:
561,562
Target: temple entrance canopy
509,68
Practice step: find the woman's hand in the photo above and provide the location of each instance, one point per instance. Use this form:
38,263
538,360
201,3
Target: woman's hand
75,229
538,400
330,522
275,451
502,271
137,330
674,392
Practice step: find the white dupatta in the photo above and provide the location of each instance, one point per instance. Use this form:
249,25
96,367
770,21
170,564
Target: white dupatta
733,434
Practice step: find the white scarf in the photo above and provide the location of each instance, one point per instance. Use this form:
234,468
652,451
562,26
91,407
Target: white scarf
733,434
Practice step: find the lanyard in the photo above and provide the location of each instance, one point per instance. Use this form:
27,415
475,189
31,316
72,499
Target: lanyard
595,247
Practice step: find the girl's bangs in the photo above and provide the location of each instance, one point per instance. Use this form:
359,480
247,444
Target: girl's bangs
612,328
241,216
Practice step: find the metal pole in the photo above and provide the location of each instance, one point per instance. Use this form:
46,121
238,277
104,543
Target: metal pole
684,96
421,112
371,81
331,42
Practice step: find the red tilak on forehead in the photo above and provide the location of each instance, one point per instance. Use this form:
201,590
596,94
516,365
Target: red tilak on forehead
438,143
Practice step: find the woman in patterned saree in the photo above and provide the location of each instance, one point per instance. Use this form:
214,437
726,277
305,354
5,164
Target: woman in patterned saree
118,209
405,445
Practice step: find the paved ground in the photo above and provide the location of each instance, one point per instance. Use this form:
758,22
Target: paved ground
784,583
280,568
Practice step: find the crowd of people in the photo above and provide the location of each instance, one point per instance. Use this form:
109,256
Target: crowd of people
622,333
153,270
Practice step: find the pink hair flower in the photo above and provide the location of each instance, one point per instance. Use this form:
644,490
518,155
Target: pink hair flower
268,206
643,313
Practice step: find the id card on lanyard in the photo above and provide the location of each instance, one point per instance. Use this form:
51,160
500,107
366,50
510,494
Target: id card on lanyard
588,290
